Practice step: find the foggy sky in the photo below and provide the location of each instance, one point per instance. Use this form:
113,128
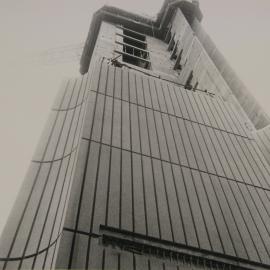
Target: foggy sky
28,28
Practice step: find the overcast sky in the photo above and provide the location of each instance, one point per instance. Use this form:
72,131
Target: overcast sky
28,85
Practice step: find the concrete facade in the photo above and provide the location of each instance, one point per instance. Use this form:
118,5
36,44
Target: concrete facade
147,166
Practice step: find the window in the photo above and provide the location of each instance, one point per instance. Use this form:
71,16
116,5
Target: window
178,65
171,43
168,34
196,86
133,34
188,84
134,48
174,51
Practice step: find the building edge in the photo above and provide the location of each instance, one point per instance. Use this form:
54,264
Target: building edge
33,230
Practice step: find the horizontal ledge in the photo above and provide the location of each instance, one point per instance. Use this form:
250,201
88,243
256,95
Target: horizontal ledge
150,73
58,159
81,232
177,164
31,255
167,113
71,108
119,238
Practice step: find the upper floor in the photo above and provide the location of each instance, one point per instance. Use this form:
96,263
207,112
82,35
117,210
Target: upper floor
174,47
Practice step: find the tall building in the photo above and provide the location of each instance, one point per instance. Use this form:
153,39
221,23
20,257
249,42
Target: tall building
157,157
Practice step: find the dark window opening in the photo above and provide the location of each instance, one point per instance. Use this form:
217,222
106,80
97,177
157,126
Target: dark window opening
171,43
134,34
174,56
188,84
168,35
135,57
178,61
133,61
134,51
196,85
135,43
134,48
174,52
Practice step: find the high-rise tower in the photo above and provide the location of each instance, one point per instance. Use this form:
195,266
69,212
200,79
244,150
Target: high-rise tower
152,159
